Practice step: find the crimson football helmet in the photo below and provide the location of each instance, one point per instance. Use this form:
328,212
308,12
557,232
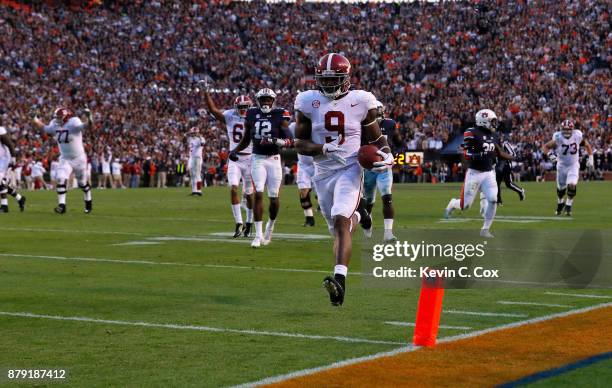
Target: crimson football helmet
333,75
62,114
194,131
242,103
567,126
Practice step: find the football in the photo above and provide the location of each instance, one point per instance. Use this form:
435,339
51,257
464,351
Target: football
368,155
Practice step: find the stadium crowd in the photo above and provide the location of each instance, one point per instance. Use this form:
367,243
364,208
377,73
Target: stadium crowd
136,65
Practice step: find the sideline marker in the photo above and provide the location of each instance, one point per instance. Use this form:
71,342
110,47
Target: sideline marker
428,312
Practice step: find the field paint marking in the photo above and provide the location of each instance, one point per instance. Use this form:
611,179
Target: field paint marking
486,314
148,262
200,328
579,295
137,243
284,236
412,324
195,238
406,349
71,231
534,304
458,220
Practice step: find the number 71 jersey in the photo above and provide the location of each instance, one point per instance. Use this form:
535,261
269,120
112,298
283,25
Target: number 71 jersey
334,118
567,148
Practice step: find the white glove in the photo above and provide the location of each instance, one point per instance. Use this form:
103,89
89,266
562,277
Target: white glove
87,113
552,157
203,84
590,162
331,151
384,164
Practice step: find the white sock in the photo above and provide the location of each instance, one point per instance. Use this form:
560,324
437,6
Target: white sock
259,229
270,225
341,269
388,224
561,200
87,195
308,212
18,197
194,185
454,204
249,215
237,212
569,201
489,214
4,201
61,199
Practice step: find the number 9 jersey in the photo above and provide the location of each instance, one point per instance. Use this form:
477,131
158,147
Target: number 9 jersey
334,118
567,148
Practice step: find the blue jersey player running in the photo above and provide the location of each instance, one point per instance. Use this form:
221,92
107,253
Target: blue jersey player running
383,181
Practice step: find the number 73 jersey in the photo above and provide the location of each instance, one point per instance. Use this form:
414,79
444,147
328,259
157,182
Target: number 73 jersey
567,148
69,137
332,119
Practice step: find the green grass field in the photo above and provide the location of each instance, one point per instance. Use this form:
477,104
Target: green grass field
153,256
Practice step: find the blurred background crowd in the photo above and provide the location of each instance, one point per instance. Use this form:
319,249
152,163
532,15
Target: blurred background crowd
136,64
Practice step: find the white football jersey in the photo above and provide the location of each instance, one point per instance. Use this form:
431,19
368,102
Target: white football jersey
332,118
69,137
304,160
568,149
4,151
235,129
196,145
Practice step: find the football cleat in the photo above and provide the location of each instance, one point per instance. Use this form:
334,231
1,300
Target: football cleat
560,207
485,233
265,242
256,243
4,209
60,209
22,202
568,210
310,221
246,230
238,230
335,290
522,194
390,238
88,207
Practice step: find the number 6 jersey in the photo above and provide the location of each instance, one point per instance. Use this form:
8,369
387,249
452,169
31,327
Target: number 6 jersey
235,129
333,118
567,148
69,137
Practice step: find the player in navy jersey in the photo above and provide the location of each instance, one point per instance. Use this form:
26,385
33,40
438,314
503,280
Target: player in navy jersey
267,128
481,149
382,180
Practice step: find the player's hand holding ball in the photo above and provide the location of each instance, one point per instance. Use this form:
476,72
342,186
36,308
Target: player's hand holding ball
372,158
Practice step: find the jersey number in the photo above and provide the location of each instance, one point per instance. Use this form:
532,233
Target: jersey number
62,133
237,133
488,147
262,129
566,148
334,122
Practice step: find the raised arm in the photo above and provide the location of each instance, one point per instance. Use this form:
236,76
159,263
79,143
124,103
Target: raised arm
89,124
212,108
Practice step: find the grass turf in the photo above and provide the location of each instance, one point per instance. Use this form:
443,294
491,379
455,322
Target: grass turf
231,286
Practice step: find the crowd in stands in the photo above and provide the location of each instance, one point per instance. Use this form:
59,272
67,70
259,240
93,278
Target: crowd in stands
136,64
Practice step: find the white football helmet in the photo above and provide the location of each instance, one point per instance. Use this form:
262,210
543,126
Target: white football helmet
486,118
265,93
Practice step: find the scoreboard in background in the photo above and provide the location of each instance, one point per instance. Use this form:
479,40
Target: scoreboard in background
413,159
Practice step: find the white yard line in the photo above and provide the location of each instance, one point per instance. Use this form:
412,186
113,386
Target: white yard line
284,236
412,324
70,231
508,302
580,295
174,326
148,262
406,349
485,314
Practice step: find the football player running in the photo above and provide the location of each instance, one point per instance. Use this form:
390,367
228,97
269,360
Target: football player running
67,129
7,159
233,119
566,145
481,149
267,128
383,181
331,125
305,172
196,145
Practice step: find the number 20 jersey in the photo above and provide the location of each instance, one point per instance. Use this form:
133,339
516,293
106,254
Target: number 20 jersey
235,129
332,118
568,148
